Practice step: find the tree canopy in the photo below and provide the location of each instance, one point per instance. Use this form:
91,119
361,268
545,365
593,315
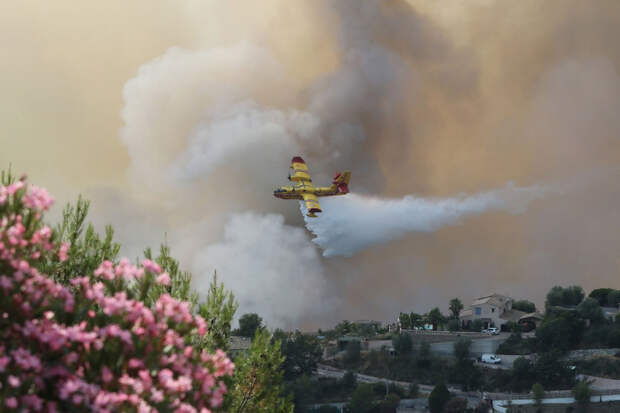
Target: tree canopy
560,296
455,307
590,309
362,399
438,398
524,305
405,321
248,325
560,332
302,353
435,318
601,295
402,343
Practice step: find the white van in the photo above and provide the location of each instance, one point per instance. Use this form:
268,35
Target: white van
490,359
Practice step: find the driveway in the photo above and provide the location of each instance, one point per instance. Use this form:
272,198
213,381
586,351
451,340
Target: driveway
479,346
600,383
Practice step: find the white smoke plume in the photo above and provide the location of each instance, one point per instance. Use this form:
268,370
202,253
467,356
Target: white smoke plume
354,222
210,132
272,267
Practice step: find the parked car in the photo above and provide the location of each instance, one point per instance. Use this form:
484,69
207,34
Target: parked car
490,359
491,331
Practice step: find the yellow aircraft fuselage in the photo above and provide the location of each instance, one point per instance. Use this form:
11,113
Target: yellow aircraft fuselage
303,188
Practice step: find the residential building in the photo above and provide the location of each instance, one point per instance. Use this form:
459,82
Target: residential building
367,325
238,345
534,319
493,310
344,341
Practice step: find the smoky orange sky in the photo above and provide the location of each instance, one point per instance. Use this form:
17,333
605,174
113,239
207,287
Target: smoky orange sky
177,118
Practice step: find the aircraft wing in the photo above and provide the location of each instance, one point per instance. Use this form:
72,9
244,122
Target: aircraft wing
299,170
312,204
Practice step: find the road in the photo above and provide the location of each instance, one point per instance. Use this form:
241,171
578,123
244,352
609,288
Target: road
332,372
417,405
506,364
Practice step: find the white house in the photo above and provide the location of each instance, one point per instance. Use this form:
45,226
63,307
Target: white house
493,310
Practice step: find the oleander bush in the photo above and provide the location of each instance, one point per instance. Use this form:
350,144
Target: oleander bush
95,343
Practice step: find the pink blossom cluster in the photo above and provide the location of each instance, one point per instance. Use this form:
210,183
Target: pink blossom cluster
9,190
93,346
37,198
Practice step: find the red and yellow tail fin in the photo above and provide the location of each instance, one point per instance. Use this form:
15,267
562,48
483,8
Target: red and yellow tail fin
341,182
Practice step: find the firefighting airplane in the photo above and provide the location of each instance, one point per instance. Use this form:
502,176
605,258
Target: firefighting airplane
302,187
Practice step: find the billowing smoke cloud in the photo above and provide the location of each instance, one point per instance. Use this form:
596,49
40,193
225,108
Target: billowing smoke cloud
257,250
353,222
240,130
211,130
414,97
237,134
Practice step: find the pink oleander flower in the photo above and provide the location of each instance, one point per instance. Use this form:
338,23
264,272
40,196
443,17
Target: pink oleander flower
38,199
4,194
71,326
13,381
62,252
14,187
163,279
157,395
11,402
32,401
4,361
106,374
201,325
151,266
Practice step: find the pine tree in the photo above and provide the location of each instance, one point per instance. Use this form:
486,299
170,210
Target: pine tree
86,248
218,310
258,379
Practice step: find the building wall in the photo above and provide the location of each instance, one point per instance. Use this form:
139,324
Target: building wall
487,312
491,312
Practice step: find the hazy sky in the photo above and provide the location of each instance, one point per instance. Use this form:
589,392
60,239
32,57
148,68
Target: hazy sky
177,118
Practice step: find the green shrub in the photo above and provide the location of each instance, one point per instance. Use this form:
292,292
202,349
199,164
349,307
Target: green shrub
456,405
582,394
349,380
362,399
538,393
438,398
389,404
352,354
402,343
453,324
